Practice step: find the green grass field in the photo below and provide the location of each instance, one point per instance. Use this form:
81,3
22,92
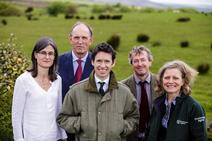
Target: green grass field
160,26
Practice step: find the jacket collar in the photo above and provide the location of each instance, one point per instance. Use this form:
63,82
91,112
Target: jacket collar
162,98
91,85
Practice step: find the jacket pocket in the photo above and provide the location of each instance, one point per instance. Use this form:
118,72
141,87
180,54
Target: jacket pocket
116,126
84,124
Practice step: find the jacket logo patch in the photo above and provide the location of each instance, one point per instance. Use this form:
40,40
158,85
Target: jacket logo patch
200,119
181,122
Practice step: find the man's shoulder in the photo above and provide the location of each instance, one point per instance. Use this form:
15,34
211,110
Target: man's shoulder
123,87
153,76
78,88
79,85
65,54
127,80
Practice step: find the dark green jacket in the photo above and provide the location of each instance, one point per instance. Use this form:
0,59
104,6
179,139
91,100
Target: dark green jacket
130,82
95,118
186,123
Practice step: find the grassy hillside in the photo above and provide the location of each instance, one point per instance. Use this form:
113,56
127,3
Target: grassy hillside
160,26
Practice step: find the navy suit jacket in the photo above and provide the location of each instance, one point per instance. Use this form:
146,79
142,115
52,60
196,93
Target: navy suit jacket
66,70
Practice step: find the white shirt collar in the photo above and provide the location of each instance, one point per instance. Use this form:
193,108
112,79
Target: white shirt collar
137,80
75,58
99,80
105,87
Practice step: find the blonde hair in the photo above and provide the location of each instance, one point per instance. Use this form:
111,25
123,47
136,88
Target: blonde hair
188,75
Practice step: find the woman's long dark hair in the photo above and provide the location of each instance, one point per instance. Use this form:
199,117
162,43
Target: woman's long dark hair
41,44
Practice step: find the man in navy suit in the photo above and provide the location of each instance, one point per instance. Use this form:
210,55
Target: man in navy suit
80,38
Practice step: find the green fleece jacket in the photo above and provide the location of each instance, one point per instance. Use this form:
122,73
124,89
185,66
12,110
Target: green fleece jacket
186,123
93,117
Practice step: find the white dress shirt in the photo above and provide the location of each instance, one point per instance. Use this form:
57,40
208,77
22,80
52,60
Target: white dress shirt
34,110
97,80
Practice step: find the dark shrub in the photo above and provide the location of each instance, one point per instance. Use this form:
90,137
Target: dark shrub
156,43
13,63
29,16
77,17
92,17
203,68
4,22
107,16
29,9
114,41
142,37
184,44
183,19
67,16
116,17
102,17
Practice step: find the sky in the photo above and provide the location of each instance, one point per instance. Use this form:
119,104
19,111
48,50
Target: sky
201,3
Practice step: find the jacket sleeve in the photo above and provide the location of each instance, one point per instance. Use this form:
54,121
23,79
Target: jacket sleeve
198,123
131,115
69,118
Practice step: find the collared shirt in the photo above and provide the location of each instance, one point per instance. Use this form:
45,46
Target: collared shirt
148,90
75,64
138,95
168,111
105,87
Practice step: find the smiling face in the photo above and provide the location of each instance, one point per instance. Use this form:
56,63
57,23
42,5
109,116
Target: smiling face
45,57
81,40
141,64
103,64
172,81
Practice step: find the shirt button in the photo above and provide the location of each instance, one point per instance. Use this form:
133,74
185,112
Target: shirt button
100,133
99,113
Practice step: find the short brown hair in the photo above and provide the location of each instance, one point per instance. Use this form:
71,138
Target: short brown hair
137,50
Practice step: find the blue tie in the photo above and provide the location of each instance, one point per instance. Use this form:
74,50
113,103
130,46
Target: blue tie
101,90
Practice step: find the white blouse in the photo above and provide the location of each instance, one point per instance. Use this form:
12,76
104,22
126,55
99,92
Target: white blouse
34,110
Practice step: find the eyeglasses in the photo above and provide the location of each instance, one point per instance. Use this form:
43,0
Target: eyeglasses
44,53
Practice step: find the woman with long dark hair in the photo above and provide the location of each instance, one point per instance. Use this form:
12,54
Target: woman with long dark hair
37,97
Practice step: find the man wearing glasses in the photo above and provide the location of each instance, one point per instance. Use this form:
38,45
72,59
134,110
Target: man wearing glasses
75,65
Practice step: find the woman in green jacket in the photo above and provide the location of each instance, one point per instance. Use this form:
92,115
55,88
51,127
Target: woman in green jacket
176,115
